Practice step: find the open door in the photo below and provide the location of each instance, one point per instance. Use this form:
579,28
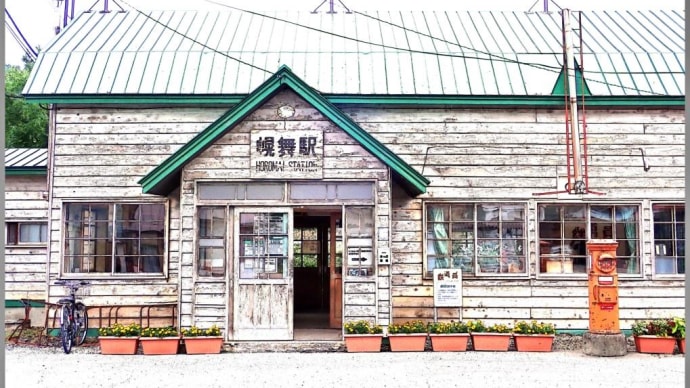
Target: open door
263,286
335,316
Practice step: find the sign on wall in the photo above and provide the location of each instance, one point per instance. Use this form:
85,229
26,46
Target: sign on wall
447,287
294,154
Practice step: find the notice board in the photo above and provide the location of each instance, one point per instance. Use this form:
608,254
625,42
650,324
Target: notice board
447,287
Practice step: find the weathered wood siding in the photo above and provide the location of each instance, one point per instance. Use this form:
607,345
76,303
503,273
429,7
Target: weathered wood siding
99,155
229,159
500,154
25,266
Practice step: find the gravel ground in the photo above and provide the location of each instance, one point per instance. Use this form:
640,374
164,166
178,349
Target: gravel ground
32,366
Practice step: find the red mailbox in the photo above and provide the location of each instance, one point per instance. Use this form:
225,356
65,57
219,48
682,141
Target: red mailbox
603,287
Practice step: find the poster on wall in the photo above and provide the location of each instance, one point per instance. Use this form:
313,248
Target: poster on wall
294,154
447,287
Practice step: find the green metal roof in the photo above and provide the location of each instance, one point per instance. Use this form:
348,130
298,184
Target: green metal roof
166,176
510,54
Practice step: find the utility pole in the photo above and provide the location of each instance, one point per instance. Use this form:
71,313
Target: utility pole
331,8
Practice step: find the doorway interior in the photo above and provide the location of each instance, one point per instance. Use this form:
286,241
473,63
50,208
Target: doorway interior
317,282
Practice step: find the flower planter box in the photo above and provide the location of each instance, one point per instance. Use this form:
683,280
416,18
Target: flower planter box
451,342
407,342
533,342
497,342
357,343
654,344
118,345
681,345
156,346
203,345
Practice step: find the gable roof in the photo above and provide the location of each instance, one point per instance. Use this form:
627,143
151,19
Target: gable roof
26,161
166,176
177,54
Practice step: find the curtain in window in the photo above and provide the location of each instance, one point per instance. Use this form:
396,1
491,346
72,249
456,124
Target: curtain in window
440,237
627,215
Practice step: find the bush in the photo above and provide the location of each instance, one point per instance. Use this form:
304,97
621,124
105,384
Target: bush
534,327
409,327
194,331
447,327
362,326
159,332
120,330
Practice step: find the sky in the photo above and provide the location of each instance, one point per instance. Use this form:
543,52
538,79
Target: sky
37,19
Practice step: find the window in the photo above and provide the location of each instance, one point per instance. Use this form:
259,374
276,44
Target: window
359,230
212,227
106,238
307,247
481,239
669,238
565,228
27,232
263,247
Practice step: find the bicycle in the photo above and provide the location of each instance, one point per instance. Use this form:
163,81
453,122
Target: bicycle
74,322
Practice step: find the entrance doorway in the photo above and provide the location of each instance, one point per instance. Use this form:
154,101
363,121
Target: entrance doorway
317,260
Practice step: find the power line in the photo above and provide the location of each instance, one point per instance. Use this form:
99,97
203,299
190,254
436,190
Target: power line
30,52
196,41
495,57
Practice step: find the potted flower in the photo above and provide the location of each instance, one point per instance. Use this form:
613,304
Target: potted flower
495,337
202,341
159,340
653,336
119,338
448,336
533,336
363,336
678,331
407,336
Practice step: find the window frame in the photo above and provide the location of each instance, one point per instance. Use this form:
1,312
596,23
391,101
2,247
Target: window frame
674,240
112,226
17,232
588,236
477,273
227,217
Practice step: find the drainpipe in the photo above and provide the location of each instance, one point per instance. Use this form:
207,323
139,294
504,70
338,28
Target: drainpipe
574,128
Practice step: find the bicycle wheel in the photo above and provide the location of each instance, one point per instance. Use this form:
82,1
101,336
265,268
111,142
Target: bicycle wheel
66,329
81,323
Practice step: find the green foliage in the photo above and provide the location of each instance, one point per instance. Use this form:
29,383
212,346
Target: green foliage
678,327
120,330
362,326
409,327
447,327
194,331
478,326
159,332
26,124
656,327
534,327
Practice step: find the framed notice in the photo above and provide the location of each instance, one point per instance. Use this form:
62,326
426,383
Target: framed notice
447,287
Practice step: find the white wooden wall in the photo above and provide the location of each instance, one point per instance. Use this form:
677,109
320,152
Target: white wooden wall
468,154
509,154
205,300
25,266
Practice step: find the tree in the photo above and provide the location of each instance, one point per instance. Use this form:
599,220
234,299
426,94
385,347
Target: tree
26,124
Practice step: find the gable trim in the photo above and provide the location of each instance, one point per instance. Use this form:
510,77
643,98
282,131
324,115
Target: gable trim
165,177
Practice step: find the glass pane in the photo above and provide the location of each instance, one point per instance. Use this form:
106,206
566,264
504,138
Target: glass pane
355,191
488,212
462,213
265,191
227,191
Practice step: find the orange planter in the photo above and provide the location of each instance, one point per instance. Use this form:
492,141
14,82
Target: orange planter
407,342
165,345
533,342
356,343
681,345
653,344
203,345
452,342
498,342
118,345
